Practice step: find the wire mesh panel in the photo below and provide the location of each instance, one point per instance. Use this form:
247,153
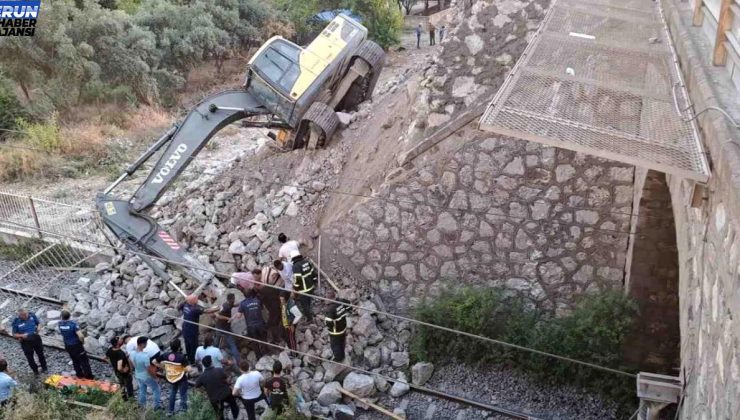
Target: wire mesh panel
600,78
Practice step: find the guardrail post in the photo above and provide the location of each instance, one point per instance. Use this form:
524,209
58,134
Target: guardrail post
35,216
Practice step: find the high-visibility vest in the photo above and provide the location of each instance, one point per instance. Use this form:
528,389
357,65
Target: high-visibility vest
304,276
336,323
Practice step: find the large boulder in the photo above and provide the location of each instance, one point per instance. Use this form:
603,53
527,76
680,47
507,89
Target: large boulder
116,322
421,372
330,394
399,359
139,328
359,384
401,386
342,412
365,326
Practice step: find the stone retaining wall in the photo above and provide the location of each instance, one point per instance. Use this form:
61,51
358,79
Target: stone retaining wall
545,222
708,238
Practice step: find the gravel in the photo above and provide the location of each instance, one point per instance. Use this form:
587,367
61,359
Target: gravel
504,387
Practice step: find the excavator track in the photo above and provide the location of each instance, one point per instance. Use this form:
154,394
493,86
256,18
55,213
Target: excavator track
318,126
362,89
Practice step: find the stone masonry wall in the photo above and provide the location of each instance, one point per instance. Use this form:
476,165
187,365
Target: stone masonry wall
547,223
708,237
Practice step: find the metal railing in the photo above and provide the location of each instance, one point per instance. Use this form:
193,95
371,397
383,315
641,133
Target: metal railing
29,216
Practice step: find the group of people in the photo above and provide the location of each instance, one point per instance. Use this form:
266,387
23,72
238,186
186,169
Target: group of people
141,359
432,34
284,291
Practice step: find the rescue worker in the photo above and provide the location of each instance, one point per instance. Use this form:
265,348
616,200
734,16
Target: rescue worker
223,327
336,323
432,29
291,315
251,309
276,389
175,366
191,313
287,247
304,283
73,343
121,366
286,272
269,293
25,329
216,383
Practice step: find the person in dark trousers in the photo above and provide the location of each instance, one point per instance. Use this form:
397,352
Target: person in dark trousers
432,29
291,315
418,36
304,283
25,329
175,366
336,323
251,309
248,388
223,327
191,313
276,389
269,293
121,367
216,383
442,31
73,343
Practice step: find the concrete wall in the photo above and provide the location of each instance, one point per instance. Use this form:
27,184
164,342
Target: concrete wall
708,238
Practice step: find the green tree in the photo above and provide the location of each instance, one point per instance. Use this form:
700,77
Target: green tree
382,19
11,109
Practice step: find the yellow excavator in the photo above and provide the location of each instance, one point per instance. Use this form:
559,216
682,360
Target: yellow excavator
291,90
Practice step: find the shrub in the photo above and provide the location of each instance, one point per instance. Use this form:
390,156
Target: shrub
40,135
383,21
594,332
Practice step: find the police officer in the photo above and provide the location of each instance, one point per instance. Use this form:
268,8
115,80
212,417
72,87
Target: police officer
336,323
251,309
191,313
25,329
304,283
73,343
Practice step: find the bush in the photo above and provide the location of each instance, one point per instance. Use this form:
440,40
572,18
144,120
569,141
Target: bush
383,21
594,332
41,135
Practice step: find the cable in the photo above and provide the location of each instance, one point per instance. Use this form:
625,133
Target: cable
388,314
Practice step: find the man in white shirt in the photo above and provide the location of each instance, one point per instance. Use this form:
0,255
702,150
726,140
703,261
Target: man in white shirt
208,349
152,349
286,247
248,388
285,268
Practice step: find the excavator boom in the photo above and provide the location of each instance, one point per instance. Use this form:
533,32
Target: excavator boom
126,218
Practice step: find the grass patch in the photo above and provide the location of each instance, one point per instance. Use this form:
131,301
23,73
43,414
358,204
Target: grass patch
594,332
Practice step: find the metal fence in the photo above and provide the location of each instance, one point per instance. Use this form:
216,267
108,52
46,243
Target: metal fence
33,217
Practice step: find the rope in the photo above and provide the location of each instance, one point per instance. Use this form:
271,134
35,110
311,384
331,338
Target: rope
391,315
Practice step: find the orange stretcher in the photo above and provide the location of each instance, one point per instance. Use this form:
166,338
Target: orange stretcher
61,382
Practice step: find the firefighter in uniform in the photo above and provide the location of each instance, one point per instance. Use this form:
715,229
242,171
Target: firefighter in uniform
304,283
336,323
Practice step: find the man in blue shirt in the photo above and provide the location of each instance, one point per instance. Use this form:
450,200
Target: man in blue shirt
141,361
73,337
6,384
191,313
25,329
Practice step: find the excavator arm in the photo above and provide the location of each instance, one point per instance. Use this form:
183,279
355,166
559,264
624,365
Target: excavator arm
126,219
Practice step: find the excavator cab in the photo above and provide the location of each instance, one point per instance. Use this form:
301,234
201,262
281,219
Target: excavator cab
288,88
